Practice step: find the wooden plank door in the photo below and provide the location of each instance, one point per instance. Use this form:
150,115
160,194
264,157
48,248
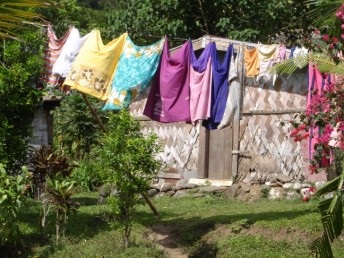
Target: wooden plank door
215,153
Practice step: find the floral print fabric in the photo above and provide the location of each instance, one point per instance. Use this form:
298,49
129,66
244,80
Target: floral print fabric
135,69
94,66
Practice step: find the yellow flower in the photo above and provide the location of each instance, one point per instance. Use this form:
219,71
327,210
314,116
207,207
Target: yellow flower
116,102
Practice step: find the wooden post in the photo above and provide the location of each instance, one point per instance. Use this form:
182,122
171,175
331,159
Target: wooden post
94,113
203,152
236,147
129,175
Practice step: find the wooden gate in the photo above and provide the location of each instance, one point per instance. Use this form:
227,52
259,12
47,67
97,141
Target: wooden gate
215,153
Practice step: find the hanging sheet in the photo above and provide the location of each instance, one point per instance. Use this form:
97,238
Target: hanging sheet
169,98
94,66
52,53
135,69
266,56
235,77
219,93
69,52
200,84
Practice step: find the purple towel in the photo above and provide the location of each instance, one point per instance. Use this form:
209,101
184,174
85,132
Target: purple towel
220,88
169,98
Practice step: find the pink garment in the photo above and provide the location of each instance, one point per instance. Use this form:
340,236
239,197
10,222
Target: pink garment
200,85
200,92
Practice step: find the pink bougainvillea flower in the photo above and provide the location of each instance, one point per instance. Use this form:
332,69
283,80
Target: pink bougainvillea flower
312,189
326,37
305,198
339,14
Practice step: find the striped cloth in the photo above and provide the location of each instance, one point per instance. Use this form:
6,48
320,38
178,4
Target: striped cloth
52,52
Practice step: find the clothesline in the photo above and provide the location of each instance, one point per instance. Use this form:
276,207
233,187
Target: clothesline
183,87
222,43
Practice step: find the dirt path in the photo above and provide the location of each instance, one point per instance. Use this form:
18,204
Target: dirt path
167,240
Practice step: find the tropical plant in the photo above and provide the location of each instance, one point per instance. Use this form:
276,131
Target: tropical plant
13,192
52,176
129,163
86,173
326,114
21,63
331,210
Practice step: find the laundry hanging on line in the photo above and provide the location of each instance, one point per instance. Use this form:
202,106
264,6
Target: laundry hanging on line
94,66
200,79
169,98
235,77
182,84
219,91
52,53
135,70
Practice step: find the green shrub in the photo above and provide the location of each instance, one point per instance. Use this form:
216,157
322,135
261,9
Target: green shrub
12,197
129,164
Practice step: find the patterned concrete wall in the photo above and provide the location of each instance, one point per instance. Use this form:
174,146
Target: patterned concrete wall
179,141
264,139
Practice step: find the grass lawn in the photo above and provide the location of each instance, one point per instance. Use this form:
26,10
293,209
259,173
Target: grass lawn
209,226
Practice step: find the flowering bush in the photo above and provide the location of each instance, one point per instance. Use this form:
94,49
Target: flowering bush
307,193
323,122
326,113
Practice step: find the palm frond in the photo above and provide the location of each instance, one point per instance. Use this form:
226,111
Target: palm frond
331,217
24,3
323,62
322,246
324,13
290,65
329,187
12,17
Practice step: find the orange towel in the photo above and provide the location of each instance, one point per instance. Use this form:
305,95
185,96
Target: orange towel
251,62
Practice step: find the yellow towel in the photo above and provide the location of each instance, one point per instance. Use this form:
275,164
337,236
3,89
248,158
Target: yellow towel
95,65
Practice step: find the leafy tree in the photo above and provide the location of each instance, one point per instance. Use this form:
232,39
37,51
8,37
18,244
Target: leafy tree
75,129
21,63
129,164
241,20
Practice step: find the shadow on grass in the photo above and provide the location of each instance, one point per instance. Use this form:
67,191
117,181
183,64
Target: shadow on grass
189,232
84,224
